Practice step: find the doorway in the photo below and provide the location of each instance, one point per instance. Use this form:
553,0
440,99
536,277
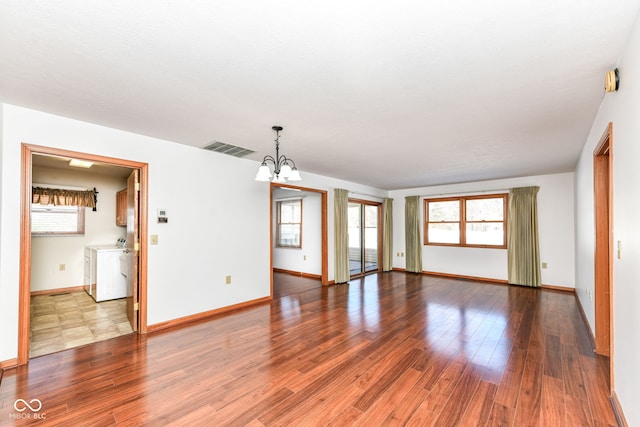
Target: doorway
324,276
365,237
604,248
140,253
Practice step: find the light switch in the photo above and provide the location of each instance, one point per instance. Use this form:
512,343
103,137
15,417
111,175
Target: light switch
619,249
154,239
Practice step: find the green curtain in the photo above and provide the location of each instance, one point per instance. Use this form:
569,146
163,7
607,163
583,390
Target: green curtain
341,234
523,248
387,234
413,241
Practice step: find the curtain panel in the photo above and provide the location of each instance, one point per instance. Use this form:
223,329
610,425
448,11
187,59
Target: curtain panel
341,234
387,234
413,242
60,197
523,250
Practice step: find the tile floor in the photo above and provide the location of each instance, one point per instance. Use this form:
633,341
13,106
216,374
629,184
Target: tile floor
72,319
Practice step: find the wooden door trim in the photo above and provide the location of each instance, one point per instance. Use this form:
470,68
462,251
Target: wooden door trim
604,250
24,293
133,239
323,230
24,304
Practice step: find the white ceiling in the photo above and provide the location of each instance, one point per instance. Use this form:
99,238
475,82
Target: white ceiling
391,94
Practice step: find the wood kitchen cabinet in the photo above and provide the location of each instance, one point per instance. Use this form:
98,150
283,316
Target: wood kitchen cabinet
121,208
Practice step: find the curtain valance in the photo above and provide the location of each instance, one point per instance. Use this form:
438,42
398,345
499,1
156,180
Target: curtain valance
62,197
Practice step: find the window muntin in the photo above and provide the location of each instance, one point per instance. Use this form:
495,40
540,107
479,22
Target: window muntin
49,220
477,221
289,223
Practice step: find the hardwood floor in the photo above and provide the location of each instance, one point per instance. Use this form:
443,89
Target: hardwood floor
287,284
388,349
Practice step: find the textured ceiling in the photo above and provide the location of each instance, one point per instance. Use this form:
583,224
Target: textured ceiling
391,94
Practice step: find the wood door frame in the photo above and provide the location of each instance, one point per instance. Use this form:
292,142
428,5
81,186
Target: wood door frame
379,206
324,230
133,252
604,250
24,298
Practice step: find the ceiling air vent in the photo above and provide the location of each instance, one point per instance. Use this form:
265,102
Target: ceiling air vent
231,150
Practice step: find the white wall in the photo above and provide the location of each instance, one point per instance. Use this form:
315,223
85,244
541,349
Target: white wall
555,221
48,252
197,248
206,238
6,292
623,110
293,259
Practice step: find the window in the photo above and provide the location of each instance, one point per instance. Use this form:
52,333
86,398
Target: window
289,223
477,221
49,220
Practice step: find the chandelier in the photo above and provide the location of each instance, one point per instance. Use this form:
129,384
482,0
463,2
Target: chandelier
284,168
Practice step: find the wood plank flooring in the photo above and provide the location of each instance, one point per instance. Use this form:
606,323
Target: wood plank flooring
389,349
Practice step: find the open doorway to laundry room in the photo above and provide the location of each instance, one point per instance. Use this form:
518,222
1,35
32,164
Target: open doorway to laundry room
80,267
298,239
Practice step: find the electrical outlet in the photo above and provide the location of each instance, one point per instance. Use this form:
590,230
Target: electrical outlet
154,239
544,265
227,280
62,267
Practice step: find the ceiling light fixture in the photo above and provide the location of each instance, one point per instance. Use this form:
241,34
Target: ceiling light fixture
284,168
80,163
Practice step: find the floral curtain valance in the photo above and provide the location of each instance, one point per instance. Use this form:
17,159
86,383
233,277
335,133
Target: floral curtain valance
61,197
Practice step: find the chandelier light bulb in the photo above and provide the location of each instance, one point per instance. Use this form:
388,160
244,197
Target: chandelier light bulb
264,174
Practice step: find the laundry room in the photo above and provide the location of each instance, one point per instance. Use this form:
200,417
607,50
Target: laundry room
67,243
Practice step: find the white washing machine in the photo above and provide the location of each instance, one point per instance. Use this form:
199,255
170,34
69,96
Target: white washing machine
103,279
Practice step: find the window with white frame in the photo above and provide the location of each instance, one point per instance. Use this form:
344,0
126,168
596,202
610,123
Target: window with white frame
50,220
289,223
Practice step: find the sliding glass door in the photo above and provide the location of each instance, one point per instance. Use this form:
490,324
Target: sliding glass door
364,236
